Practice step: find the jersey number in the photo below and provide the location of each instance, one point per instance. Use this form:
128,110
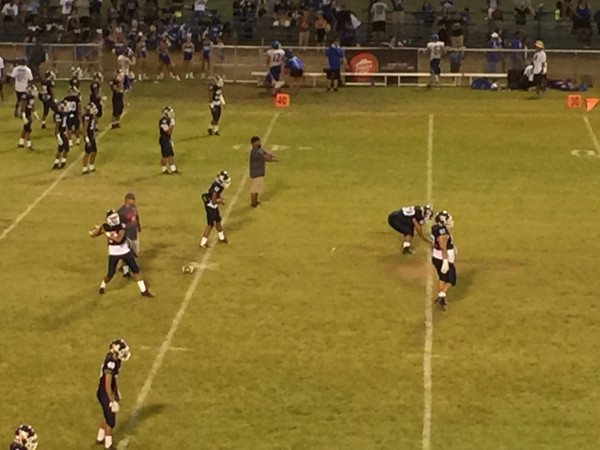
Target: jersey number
408,211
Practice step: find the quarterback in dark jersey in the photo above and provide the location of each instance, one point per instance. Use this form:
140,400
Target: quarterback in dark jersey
118,250
73,99
166,124
25,438
443,256
117,84
108,394
27,113
91,148
47,95
96,95
61,117
212,199
216,103
408,219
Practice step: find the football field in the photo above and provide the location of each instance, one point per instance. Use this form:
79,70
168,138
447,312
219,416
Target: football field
310,329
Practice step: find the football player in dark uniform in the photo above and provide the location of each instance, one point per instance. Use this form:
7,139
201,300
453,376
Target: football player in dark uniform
108,393
408,219
166,124
25,438
216,102
47,95
73,99
89,128
212,199
443,256
96,95
61,116
118,91
118,250
27,113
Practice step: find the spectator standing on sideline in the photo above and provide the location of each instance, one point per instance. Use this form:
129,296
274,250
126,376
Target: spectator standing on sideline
258,167
494,61
67,9
131,218
10,11
517,58
199,10
303,29
1,77
335,57
540,68
378,12
36,58
22,76
398,15
321,28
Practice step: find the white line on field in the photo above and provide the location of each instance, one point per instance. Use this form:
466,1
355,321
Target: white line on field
166,344
49,189
173,349
428,345
592,135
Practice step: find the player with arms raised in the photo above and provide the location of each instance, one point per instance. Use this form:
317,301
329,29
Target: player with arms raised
118,250
275,56
443,256
166,124
108,393
435,47
91,148
47,95
217,101
27,109
212,199
25,438
408,219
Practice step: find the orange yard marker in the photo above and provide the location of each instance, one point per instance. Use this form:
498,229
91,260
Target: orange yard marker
573,101
590,103
282,100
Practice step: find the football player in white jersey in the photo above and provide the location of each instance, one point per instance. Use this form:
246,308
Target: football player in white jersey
275,57
435,47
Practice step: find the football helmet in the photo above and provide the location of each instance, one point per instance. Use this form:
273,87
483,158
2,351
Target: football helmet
50,75
76,72
26,436
32,90
62,106
276,44
168,112
98,77
120,349
223,178
91,108
444,218
219,81
435,37
289,54
74,90
427,212
112,218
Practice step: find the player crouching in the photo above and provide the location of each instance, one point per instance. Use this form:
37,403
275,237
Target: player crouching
212,199
443,256
217,101
25,438
407,220
27,113
89,127
118,250
108,393
61,117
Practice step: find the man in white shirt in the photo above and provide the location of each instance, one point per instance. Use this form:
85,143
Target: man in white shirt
199,9
378,12
67,9
10,11
22,76
540,68
1,77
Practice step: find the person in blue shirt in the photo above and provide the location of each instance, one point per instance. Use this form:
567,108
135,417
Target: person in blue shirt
494,60
335,57
294,66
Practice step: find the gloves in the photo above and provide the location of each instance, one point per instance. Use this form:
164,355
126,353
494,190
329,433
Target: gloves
445,266
59,139
25,119
114,406
87,140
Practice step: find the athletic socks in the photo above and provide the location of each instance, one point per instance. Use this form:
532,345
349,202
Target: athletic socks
21,142
164,169
92,167
108,442
101,435
29,144
142,285
406,244
125,270
173,168
103,285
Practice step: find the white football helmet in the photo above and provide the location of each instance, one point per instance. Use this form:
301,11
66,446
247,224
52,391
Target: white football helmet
223,178
427,212
50,75
112,218
99,77
168,112
32,89
26,436
219,81
92,108
120,349
444,218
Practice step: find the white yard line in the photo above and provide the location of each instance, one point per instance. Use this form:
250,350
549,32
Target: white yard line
428,345
592,135
167,342
48,190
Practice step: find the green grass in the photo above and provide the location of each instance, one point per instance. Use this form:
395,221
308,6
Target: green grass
288,343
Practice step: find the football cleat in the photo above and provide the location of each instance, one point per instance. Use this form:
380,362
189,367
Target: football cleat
407,251
147,293
441,303
210,131
119,347
223,241
101,291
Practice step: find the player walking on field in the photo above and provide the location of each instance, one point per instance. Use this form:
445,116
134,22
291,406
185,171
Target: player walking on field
212,200
443,256
435,47
131,218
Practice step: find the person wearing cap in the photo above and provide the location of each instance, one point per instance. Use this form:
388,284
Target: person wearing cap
494,58
131,218
540,68
258,159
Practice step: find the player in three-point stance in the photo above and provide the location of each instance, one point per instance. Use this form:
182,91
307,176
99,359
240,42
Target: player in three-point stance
27,112
408,219
47,95
61,117
443,256
25,438
108,393
91,148
118,250
212,200
217,101
166,124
